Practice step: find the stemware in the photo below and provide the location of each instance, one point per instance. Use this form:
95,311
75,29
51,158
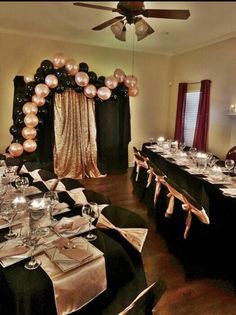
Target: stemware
3,190
229,165
8,213
22,183
182,146
51,198
30,238
151,141
90,211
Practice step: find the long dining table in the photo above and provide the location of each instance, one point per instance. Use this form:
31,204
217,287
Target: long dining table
208,249
30,292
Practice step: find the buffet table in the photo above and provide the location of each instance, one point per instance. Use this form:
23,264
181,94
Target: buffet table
208,248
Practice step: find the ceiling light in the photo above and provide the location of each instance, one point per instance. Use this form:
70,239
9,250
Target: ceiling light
119,30
142,29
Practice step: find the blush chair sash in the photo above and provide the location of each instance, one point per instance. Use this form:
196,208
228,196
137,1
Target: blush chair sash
173,193
135,236
199,213
160,180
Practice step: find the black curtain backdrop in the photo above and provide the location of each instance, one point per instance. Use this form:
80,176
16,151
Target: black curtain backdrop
112,121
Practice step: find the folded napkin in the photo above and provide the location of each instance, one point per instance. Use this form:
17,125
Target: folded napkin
231,192
31,190
70,224
61,207
63,242
12,251
135,236
78,254
2,221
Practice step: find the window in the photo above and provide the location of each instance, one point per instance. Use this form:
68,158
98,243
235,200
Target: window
191,110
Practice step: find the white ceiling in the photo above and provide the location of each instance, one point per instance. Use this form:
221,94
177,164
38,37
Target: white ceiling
210,22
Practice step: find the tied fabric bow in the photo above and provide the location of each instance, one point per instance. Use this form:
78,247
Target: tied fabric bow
140,162
173,193
159,181
200,214
135,236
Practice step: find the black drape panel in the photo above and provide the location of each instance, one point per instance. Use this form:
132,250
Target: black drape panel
113,133
45,130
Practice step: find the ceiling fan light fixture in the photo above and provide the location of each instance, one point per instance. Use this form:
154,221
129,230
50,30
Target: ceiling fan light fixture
141,27
119,30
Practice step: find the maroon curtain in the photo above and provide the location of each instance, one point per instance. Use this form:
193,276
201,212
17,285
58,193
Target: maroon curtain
180,114
202,122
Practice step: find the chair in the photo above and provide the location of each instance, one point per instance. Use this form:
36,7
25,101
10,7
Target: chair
146,300
232,154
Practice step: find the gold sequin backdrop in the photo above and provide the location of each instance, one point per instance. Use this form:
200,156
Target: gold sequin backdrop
75,149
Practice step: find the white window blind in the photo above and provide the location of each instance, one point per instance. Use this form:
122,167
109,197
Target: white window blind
192,102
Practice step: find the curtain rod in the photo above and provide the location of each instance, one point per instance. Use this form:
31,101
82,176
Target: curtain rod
193,82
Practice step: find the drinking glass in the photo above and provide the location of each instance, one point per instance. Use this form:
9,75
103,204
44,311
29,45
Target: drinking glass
51,198
229,165
22,183
182,146
3,190
151,140
8,213
30,239
90,211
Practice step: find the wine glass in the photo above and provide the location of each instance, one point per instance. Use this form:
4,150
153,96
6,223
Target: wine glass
30,238
51,198
8,213
182,146
22,183
229,165
90,211
151,141
3,190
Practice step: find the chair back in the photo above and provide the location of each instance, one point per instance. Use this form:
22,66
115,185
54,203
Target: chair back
146,300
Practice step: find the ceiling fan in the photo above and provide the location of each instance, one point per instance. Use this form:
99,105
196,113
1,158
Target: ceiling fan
131,12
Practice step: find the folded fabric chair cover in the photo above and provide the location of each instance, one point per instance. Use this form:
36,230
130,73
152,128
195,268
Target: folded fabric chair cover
192,207
130,225
174,192
146,300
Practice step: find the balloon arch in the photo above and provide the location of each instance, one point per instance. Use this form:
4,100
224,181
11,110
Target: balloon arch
55,76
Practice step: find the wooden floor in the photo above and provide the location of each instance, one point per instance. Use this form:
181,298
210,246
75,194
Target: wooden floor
183,296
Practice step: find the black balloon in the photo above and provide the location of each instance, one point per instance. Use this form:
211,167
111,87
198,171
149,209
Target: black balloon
78,89
30,86
60,73
18,111
92,77
40,70
19,99
60,88
47,66
39,77
14,130
83,67
19,121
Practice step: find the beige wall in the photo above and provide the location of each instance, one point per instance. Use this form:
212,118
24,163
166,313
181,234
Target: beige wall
21,55
218,63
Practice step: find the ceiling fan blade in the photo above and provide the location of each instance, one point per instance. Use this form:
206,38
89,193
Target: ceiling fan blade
166,14
107,23
93,6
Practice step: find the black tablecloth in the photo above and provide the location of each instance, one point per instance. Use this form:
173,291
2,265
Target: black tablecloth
24,292
208,248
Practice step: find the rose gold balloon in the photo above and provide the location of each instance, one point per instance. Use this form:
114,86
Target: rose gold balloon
42,90
104,93
71,66
133,91
31,120
81,78
111,82
30,107
28,78
130,80
28,133
29,145
51,81
119,74
59,60
15,149
38,100
90,91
